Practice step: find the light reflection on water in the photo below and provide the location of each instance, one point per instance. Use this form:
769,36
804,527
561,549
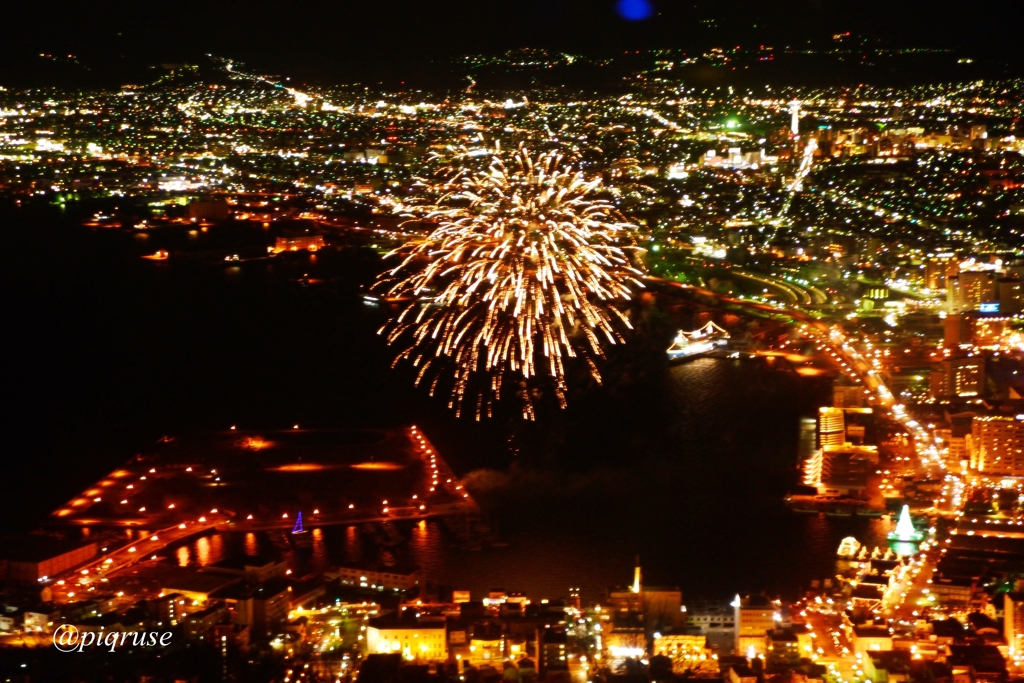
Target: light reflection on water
699,498
319,561
352,548
426,547
203,550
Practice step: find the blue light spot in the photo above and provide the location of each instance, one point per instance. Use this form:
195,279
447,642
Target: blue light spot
635,10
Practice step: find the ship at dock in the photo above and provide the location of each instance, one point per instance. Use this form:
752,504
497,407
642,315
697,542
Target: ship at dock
833,506
698,343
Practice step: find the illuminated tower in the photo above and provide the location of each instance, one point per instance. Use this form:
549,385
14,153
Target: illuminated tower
905,531
636,576
794,112
904,527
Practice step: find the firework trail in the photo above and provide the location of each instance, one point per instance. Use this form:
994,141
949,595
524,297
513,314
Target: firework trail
526,269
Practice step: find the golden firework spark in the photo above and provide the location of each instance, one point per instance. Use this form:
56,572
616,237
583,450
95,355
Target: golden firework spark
527,268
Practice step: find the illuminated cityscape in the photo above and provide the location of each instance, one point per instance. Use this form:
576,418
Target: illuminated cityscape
686,354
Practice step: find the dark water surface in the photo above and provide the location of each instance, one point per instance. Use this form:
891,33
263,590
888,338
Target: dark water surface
683,465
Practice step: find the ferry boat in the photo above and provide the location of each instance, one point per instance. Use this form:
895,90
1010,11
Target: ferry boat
697,343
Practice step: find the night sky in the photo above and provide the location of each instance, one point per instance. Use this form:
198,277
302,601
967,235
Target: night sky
317,38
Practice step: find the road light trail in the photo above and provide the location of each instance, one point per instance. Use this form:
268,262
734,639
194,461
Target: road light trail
806,163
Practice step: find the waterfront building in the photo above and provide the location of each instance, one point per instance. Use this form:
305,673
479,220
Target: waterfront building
420,640
996,446
831,427
754,616
298,243
379,577
198,587
254,568
840,425
840,470
31,559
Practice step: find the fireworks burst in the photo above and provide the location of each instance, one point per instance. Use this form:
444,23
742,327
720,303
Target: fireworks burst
526,269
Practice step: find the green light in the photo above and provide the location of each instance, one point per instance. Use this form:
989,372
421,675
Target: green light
731,123
655,247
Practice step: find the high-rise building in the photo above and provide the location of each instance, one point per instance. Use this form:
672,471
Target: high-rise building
990,329
937,269
1013,621
840,470
959,329
848,396
968,290
794,114
955,440
958,377
996,446
1011,297
831,427
971,328
846,424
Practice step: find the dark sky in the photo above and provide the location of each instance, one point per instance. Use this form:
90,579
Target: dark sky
283,33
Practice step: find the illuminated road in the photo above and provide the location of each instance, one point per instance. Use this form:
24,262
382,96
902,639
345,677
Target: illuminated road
806,163
71,586
910,594
830,642
795,295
